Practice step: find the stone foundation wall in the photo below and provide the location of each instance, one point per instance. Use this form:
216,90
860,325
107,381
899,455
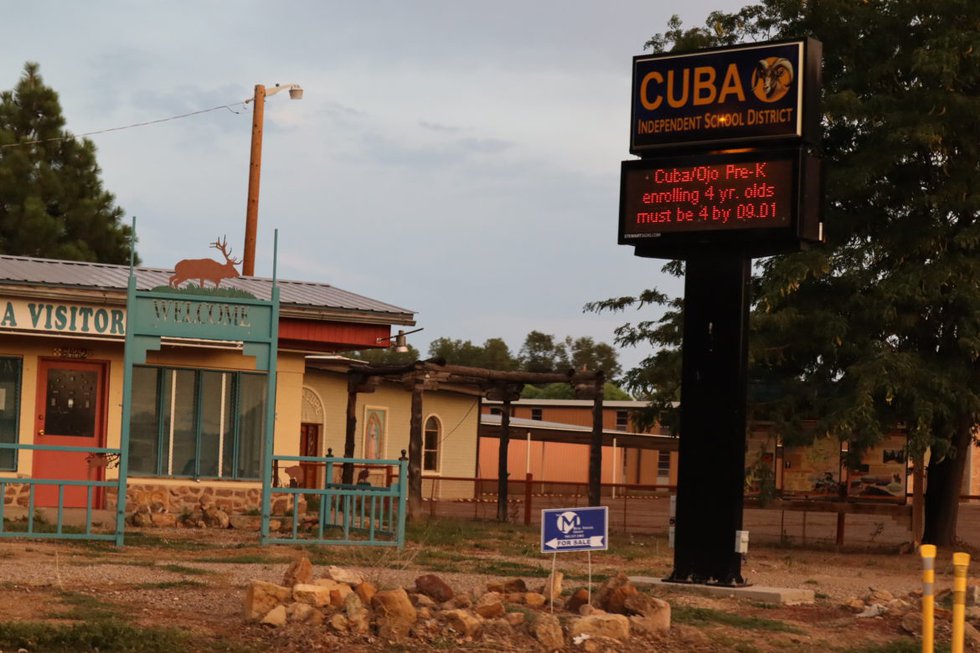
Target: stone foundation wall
176,499
16,494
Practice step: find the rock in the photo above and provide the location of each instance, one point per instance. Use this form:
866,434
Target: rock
425,613
463,622
579,598
434,587
394,613
303,613
422,601
365,591
342,575
552,586
873,610
141,518
855,604
534,599
649,614
514,597
358,616
587,609
612,594
878,596
214,517
459,602
507,587
275,617
971,636
163,519
316,595
515,618
690,638
261,597
547,630
490,606
338,591
614,626
338,622
299,572
912,623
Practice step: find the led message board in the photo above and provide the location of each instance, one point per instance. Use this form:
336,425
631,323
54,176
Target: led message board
756,202
766,91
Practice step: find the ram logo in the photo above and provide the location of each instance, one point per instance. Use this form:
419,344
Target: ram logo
772,78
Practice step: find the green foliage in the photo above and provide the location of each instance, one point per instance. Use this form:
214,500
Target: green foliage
494,354
52,203
685,614
107,636
387,356
564,391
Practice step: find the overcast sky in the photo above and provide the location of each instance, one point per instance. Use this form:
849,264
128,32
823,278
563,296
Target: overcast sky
459,159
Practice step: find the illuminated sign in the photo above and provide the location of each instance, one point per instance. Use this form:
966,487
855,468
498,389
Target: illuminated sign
760,91
670,206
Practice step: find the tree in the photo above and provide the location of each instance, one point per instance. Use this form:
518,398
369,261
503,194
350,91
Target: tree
493,355
540,353
879,329
52,203
587,354
387,356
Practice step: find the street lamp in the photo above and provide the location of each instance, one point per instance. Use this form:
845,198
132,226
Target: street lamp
255,167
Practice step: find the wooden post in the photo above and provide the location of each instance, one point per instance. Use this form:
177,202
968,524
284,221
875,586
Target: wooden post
918,498
527,498
415,454
502,460
254,174
353,381
595,446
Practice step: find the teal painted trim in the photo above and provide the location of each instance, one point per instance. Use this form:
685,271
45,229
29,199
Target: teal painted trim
109,537
268,450
402,496
135,351
30,508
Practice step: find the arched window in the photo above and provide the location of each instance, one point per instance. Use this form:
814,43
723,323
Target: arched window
430,445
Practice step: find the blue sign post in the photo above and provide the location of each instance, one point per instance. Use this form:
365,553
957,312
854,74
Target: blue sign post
574,529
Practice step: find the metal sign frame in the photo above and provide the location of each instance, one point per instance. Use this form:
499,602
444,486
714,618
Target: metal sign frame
151,315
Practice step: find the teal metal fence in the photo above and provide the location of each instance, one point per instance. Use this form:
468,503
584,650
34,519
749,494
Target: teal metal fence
339,513
66,525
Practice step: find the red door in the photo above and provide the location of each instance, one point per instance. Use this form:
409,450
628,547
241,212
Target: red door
70,413
309,445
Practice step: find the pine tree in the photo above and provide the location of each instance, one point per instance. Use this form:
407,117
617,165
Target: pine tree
879,329
52,203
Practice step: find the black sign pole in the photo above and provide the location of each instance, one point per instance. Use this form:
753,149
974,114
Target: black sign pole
711,469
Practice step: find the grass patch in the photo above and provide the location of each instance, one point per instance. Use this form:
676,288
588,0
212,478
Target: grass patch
509,568
246,559
83,607
111,636
898,646
171,585
700,616
149,540
183,569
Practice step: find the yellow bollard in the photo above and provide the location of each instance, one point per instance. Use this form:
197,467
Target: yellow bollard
961,562
928,553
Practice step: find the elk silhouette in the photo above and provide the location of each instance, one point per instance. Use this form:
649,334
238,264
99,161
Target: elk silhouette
206,269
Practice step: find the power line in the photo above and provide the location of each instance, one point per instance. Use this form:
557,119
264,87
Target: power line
116,129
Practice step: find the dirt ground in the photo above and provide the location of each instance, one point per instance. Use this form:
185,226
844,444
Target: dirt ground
195,580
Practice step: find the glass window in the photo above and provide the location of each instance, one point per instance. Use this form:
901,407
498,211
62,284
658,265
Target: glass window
663,463
622,420
10,373
430,445
536,414
197,423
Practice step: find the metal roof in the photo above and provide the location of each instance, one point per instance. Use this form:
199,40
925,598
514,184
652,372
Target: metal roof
537,430
27,271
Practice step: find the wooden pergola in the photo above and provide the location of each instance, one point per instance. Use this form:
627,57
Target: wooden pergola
496,385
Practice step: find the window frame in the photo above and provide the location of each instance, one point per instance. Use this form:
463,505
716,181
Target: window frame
228,470
438,444
18,396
